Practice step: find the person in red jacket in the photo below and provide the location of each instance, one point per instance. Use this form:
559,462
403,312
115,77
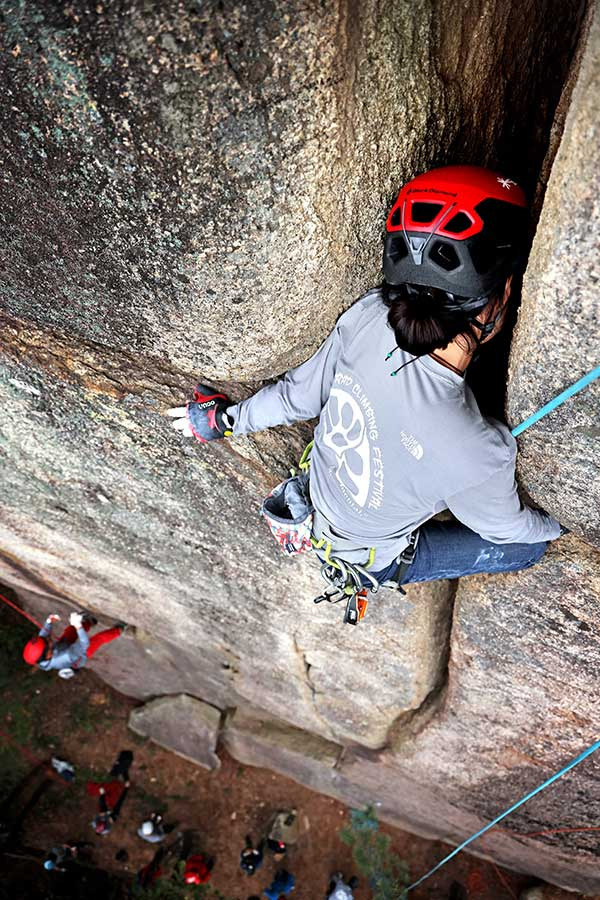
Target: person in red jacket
69,652
198,869
111,793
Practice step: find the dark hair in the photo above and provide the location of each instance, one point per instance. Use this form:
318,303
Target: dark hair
424,319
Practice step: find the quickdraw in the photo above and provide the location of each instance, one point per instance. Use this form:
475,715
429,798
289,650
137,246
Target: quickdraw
345,582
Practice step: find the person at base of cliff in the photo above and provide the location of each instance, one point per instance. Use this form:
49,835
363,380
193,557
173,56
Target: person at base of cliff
251,857
400,436
60,857
153,829
198,869
341,890
282,885
283,832
111,794
73,648
151,873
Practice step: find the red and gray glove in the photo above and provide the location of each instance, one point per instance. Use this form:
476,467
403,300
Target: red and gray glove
205,417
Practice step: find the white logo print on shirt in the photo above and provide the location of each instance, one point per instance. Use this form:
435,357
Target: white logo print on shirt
346,434
411,444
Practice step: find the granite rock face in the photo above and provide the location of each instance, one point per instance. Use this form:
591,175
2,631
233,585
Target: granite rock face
203,186
163,559
256,739
203,195
556,341
182,724
508,718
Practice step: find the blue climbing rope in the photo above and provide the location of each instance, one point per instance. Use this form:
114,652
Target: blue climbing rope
558,400
567,768
543,411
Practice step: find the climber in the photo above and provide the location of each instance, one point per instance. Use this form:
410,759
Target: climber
284,831
198,865
73,648
152,872
198,869
400,436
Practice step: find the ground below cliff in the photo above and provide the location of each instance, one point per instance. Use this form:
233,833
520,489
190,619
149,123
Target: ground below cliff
85,721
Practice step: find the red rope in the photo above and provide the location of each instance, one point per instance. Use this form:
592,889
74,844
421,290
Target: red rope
22,611
499,875
503,879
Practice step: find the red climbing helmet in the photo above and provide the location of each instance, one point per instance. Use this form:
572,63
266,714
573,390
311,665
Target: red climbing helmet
34,650
460,229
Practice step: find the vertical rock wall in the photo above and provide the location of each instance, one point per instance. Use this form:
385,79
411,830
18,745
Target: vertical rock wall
201,188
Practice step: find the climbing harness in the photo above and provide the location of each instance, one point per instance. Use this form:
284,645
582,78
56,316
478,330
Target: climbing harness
350,580
298,528
345,566
477,834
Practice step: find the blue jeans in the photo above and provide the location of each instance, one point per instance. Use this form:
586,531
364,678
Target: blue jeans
451,550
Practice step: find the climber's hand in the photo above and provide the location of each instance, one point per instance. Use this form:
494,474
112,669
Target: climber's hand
180,420
76,619
54,617
205,417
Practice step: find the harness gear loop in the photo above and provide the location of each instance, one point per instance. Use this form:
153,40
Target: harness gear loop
346,571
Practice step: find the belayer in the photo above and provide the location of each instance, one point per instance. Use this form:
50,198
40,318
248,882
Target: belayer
400,436
111,794
73,648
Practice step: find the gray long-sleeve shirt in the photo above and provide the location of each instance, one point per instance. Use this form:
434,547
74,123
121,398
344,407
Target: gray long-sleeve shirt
66,656
391,452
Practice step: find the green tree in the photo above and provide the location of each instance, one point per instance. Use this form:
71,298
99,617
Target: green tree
385,872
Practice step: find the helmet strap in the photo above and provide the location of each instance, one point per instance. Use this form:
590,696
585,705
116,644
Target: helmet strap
486,328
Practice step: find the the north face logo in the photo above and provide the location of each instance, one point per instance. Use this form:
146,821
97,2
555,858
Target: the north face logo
411,444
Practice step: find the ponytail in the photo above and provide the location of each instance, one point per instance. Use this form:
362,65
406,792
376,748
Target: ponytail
424,319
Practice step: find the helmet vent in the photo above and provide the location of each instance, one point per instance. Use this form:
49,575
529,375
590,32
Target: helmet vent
484,254
396,217
397,249
424,213
444,255
458,223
